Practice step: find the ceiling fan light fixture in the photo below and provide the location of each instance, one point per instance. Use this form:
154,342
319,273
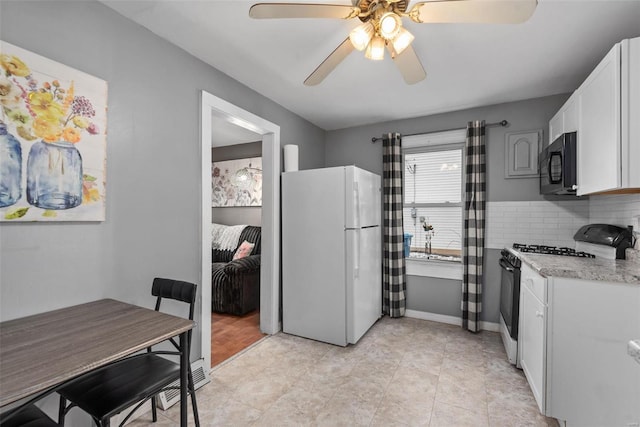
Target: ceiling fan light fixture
402,41
375,50
390,25
361,35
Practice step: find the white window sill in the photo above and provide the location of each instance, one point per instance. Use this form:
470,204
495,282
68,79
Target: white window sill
434,268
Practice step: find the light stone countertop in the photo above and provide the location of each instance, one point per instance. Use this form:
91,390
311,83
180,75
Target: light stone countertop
599,269
634,349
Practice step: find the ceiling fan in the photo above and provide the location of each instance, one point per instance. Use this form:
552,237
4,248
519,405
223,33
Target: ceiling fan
382,26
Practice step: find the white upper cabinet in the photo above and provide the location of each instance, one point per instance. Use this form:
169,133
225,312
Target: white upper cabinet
565,120
570,115
604,112
599,141
556,126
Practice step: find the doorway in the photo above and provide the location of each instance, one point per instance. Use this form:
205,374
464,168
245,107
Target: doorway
212,110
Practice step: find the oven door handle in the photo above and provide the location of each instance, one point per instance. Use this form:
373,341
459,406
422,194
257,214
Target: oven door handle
506,265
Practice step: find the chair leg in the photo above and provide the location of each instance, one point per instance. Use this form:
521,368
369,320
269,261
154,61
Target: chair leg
154,410
62,406
192,391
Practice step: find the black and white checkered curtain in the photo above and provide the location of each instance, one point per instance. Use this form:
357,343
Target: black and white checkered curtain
474,207
394,283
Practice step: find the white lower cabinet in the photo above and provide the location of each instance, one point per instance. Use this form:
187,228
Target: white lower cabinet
591,381
572,342
532,332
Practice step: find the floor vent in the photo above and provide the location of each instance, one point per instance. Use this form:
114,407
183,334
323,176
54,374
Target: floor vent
200,377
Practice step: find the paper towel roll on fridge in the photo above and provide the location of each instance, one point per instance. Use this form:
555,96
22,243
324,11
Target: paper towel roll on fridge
290,158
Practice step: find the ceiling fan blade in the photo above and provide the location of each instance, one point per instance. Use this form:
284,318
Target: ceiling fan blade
409,64
473,11
302,10
329,64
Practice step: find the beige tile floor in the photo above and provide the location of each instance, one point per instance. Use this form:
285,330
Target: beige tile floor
403,372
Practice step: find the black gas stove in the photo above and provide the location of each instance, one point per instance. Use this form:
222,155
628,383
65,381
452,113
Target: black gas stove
551,250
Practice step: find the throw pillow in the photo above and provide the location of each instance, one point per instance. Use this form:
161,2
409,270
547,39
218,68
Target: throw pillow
244,250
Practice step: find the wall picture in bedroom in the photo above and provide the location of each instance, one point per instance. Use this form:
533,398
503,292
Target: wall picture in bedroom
237,183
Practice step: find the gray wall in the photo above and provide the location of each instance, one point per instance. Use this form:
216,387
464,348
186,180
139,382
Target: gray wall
353,146
442,296
237,215
153,162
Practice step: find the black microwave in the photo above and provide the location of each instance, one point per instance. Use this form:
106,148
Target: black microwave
558,166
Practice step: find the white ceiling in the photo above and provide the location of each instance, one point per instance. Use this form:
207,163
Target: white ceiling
468,65
225,133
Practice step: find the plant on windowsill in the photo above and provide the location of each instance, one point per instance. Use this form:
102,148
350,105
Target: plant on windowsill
428,230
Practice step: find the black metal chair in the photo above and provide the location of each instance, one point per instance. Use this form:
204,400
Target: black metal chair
29,416
112,389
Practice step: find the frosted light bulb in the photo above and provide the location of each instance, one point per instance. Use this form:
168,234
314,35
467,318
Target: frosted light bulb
402,41
390,24
361,35
375,50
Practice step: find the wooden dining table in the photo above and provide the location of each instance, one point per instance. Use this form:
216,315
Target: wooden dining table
40,352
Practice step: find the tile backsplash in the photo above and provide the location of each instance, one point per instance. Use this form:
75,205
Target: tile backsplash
539,223
555,223
622,210
619,210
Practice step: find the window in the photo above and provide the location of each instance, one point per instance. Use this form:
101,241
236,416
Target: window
433,196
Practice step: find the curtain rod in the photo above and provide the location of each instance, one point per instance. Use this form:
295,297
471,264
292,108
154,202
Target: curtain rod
502,123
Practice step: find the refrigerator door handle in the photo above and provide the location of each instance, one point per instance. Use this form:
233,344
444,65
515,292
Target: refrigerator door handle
356,202
356,254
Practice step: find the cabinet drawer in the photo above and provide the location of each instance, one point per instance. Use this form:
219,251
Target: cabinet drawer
533,281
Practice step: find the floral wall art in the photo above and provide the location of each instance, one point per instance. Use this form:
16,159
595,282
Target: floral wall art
237,183
53,123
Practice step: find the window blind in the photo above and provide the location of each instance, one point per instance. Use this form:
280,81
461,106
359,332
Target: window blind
433,188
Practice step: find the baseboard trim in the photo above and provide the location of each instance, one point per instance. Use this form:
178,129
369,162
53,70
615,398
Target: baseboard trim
450,320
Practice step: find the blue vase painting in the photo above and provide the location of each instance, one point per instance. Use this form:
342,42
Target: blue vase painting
52,140
54,175
10,168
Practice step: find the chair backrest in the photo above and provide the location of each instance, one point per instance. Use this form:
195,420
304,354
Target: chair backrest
176,290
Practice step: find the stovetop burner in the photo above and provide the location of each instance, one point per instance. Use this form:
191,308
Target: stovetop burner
551,250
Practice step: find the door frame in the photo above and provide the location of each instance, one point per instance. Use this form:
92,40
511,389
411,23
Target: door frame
270,254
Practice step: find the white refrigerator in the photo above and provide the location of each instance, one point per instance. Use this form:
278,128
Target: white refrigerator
331,253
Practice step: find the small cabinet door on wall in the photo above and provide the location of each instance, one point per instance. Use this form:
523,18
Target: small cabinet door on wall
521,154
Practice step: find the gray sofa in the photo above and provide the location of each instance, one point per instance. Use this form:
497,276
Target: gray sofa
236,283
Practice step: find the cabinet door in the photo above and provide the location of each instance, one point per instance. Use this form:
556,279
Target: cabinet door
592,381
630,57
555,126
599,162
531,335
570,114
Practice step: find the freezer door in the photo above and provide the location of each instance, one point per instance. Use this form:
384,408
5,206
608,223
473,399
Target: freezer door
363,198
363,281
